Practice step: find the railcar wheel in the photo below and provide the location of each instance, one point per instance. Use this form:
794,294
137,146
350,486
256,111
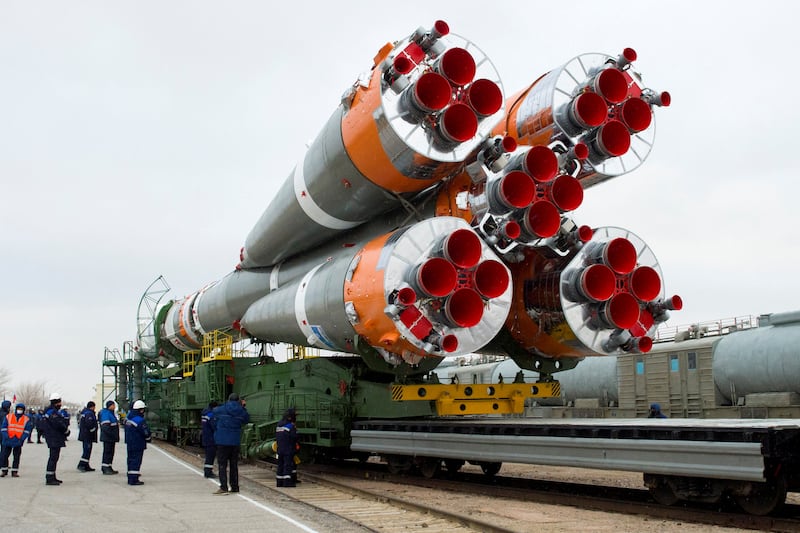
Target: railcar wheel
398,464
453,465
429,467
763,498
662,493
491,469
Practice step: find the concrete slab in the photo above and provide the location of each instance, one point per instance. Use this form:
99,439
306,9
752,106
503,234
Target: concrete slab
175,497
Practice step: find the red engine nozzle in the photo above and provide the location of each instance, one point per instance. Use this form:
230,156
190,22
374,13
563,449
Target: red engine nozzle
462,248
449,343
458,124
484,97
620,255
436,277
621,311
457,65
542,220
464,308
613,139
636,114
430,93
541,163
588,110
645,283
515,190
597,283
491,278
611,84
406,296
566,193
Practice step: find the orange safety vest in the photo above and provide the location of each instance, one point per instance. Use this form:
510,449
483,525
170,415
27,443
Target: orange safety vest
16,426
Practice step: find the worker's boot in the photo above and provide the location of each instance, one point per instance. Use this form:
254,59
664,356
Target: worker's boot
4,473
14,473
50,479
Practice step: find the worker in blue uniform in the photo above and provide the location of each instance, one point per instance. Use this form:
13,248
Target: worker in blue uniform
229,419
16,428
87,434
109,436
286,439
5,408
655,411
137,435
56,430
207,438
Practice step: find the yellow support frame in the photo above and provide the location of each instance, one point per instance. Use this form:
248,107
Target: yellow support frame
190,358
477,399
217,346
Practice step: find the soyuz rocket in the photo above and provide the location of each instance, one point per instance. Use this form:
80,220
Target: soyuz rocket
430,217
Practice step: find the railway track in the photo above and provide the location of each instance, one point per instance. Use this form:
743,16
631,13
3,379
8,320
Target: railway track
368,495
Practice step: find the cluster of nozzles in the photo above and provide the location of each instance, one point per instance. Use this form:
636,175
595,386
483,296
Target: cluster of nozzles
608,108
623,294
444,93
531,194
452,285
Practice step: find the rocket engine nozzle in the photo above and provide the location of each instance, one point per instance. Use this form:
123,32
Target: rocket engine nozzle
484,97
541,220
627,57
621,311
457,124
645,283
662,99
435,277
464,308
429,94
566,193
611,84
462,248
491,279
636,114
612,139
457,65
514,190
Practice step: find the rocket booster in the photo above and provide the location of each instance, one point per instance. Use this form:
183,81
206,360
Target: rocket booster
595,100
426,220
427,103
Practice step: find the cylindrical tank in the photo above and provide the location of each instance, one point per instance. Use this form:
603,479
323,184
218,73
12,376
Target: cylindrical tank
762,359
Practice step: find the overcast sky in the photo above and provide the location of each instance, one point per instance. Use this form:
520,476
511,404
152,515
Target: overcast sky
145,138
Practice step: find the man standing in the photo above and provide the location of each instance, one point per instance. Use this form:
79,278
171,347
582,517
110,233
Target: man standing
137,435
56,429
16,429
207,438
39,427
229,419
87,434
286,438
109,436
655,411
5,408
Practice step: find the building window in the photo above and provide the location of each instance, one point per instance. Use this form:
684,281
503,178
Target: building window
674,366
692,356
639,366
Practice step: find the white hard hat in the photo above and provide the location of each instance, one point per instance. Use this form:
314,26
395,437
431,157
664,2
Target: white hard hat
139,404
55,396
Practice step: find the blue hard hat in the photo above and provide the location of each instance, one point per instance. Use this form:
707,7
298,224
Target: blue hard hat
655,406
